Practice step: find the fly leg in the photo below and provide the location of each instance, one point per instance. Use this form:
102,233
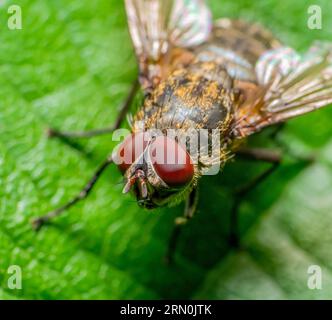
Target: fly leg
265,155
275,135
260,154
189,211
38,222
97,132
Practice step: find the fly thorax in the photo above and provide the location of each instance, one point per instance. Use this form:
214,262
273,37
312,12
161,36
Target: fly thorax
198,97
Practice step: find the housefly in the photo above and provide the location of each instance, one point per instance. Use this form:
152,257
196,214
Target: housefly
228,76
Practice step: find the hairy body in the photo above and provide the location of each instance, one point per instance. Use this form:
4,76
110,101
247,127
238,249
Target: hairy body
230,76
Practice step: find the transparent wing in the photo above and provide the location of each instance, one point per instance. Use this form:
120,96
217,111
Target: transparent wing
276,63
289,86
157,27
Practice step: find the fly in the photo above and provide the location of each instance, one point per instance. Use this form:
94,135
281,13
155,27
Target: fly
228,76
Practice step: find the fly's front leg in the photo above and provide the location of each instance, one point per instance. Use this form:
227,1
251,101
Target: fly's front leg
97,132
189,211
37,223
265,155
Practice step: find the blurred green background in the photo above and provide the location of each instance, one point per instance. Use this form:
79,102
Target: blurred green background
70,67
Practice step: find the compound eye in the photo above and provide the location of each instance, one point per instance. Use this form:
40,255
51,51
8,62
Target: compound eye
171,162
131,148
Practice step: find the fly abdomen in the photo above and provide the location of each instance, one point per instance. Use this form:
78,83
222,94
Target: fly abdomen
237,45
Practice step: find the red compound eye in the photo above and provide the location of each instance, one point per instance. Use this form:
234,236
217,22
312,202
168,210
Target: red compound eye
171,162
132,147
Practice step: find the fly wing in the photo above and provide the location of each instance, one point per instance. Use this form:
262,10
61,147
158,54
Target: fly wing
159,28
289,86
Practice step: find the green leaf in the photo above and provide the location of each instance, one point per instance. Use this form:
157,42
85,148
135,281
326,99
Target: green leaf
70,67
